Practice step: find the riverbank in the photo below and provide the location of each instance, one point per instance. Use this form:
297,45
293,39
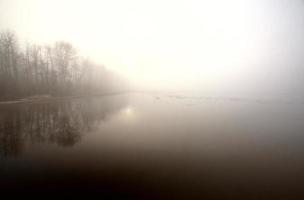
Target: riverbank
46,98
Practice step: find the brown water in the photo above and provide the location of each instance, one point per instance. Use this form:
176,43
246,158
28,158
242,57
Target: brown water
156,146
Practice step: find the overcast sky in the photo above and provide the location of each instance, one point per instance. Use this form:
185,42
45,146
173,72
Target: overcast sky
207,45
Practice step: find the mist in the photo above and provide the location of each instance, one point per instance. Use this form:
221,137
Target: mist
239,47
163,99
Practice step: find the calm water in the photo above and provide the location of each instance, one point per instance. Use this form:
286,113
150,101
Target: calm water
155,146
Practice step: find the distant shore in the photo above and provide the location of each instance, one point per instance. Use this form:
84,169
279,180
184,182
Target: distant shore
46,98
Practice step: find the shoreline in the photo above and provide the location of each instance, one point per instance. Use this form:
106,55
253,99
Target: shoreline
46,98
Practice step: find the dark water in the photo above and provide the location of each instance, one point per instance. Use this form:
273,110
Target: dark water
152,146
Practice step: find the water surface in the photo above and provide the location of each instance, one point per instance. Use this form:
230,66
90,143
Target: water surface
155,146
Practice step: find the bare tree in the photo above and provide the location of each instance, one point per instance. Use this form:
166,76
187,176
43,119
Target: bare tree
53,69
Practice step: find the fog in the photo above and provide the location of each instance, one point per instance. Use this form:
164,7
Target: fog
185,99
237,47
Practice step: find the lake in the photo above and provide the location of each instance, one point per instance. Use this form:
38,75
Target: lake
154,146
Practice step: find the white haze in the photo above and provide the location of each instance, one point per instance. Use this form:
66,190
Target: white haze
234,47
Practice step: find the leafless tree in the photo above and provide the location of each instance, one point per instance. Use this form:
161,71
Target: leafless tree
53,70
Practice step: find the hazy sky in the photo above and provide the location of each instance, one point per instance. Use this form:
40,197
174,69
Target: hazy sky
207,44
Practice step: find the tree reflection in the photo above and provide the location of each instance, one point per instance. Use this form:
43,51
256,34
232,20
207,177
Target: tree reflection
62,123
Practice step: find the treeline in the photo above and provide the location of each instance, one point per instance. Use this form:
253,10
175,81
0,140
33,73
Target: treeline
55,70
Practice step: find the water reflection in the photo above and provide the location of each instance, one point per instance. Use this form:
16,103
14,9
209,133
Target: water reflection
135,145
62,123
